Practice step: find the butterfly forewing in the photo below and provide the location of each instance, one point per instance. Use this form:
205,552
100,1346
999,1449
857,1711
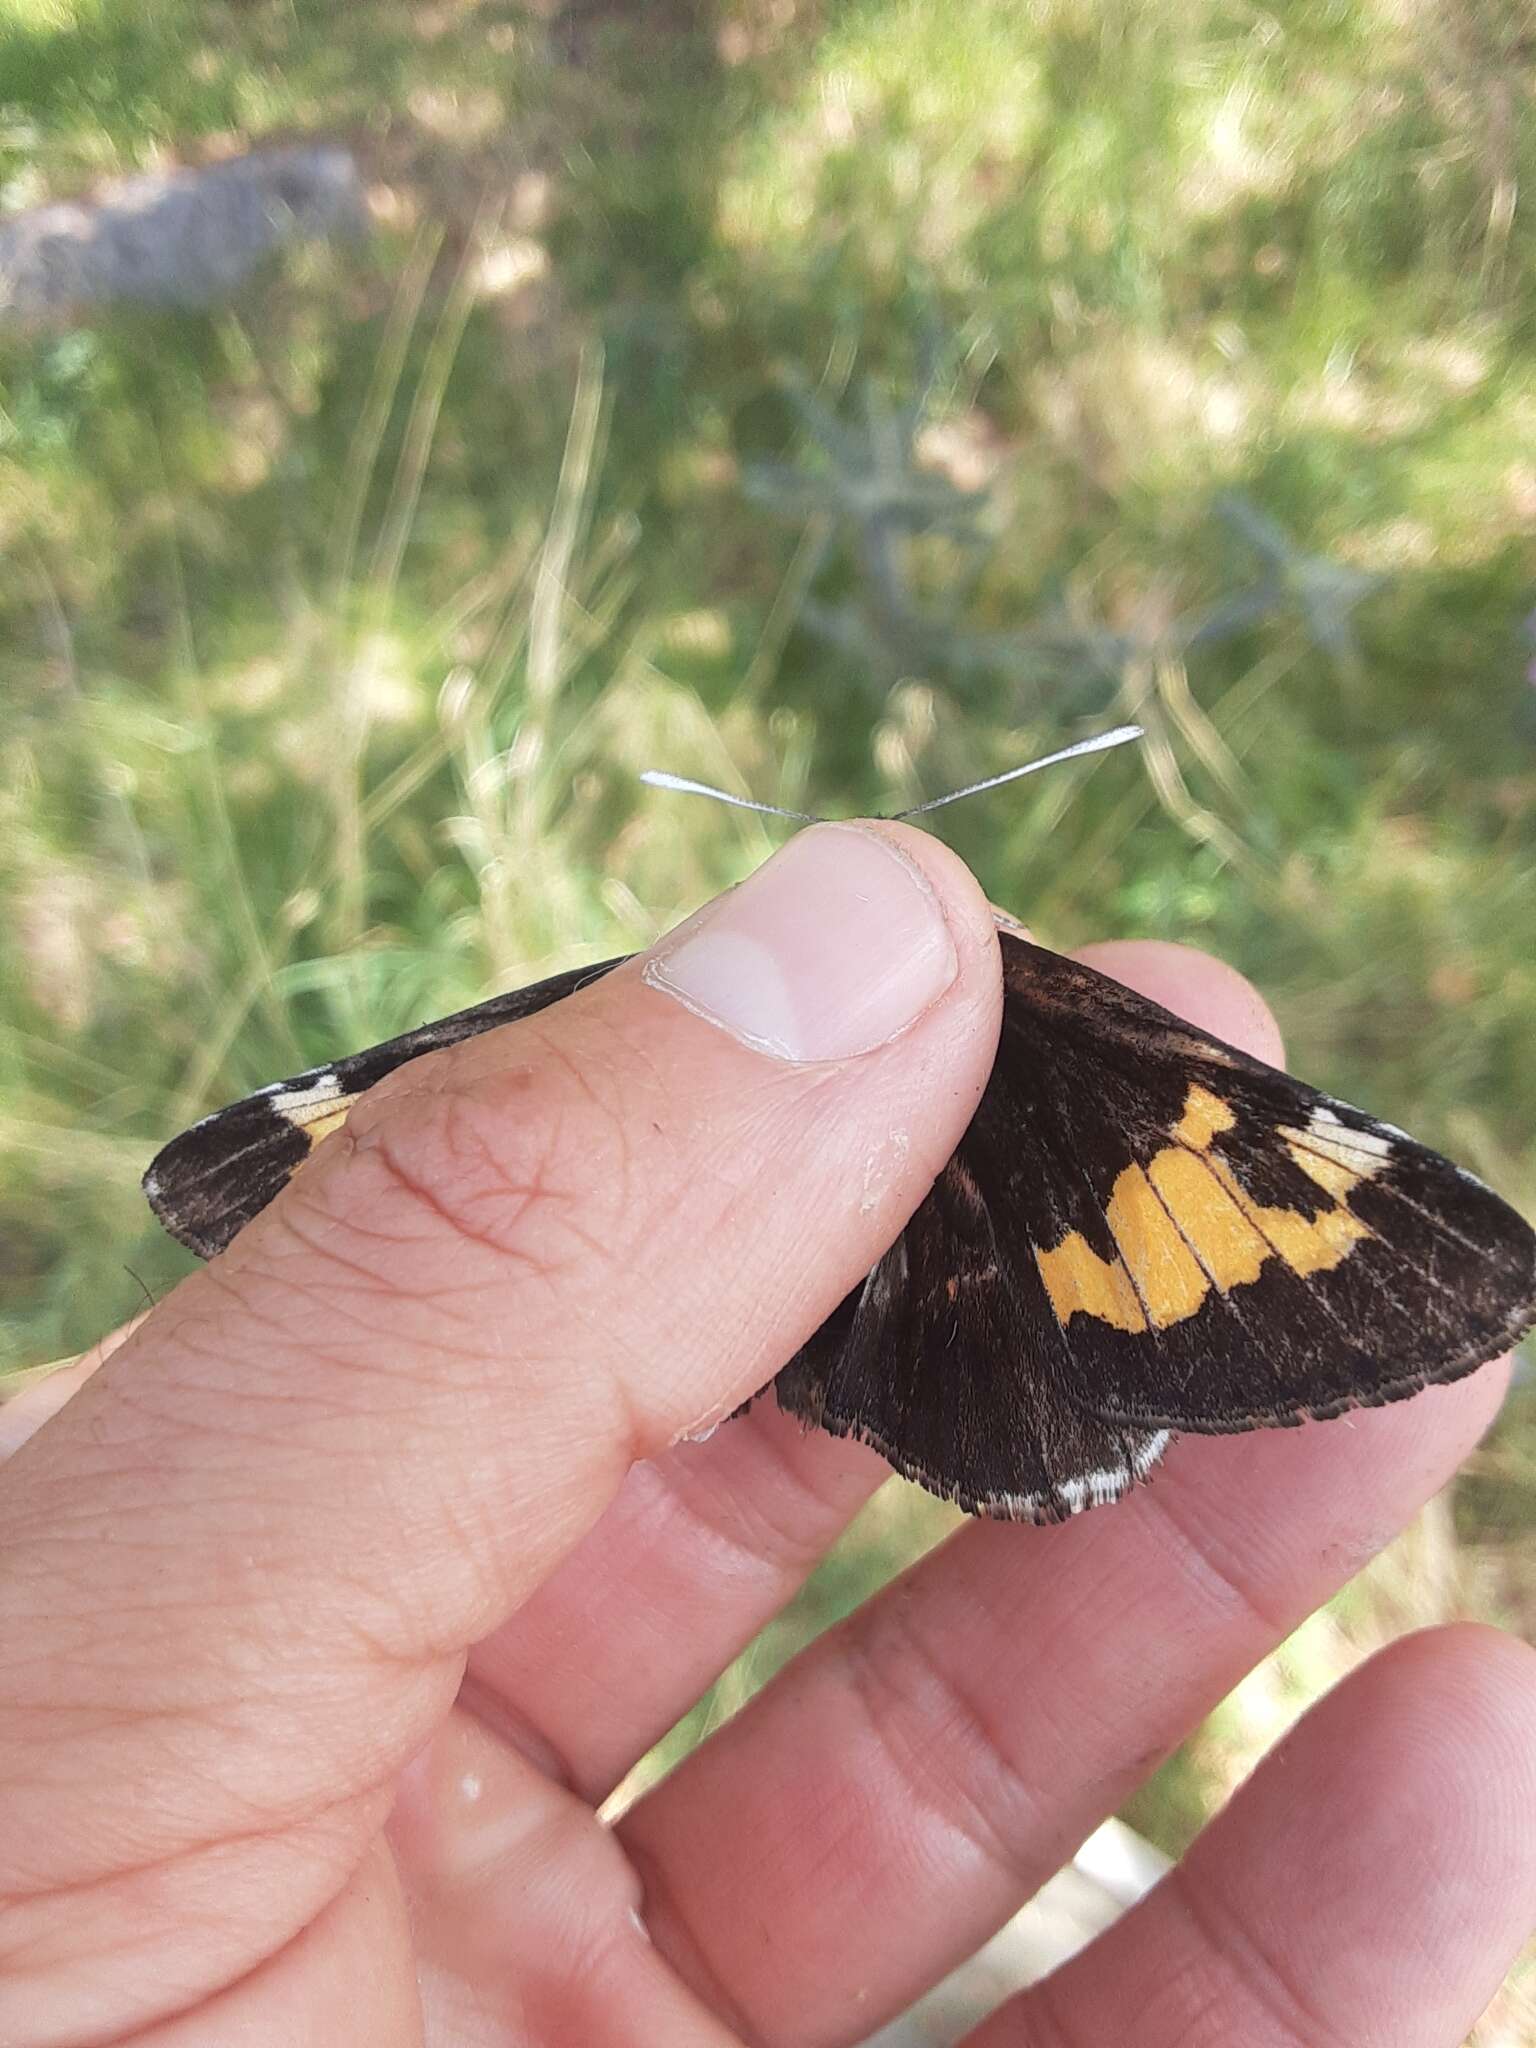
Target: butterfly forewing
1223,1247
207,1184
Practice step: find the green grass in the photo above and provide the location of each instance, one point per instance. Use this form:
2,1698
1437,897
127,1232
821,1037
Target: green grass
338,622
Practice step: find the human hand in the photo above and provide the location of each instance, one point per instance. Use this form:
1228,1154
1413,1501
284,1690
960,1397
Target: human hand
333,1608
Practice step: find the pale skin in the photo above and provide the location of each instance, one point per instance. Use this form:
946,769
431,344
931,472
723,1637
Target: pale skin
334,1606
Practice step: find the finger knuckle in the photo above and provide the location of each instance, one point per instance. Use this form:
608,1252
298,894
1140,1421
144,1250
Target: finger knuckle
941,1741
453,1179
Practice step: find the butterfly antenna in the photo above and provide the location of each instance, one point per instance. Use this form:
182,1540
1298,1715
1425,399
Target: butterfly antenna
1097,745
659,778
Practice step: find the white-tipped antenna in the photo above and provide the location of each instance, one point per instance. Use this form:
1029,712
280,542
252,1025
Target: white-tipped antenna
659,778
1096,745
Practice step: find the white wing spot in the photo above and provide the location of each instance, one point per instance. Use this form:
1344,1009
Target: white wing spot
324,1088
1100,1489
1324,1122
1327,1136
1151,1451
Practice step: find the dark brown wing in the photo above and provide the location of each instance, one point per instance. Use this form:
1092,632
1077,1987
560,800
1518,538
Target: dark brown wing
208,1183
948,1361
1285,1254
1147,1229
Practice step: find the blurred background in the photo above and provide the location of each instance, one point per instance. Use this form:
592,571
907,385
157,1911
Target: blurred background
417,418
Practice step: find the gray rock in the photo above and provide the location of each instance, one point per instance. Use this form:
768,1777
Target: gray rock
180,238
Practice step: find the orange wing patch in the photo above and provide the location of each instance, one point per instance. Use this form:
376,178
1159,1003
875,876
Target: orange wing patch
1185,1224
1205,1117
316,1128
1077,1278
1224,1238
1169,1280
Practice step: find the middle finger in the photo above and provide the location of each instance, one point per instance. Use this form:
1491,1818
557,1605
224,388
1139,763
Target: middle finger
875,1814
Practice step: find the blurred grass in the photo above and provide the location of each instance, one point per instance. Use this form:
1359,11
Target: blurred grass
840,403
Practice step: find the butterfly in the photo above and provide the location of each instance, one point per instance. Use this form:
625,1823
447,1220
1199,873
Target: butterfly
1143,1231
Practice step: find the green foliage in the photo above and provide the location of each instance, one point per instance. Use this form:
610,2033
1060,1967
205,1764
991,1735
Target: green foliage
840,413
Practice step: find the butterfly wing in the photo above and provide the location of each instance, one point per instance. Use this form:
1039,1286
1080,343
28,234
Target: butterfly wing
1233,1248
1145,1230
948,1361
208,1183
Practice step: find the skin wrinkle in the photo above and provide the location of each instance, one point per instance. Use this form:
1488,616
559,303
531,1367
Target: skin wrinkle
537,1196
1203,2019
212,1743
54,1548
215,1923
270,1294
891,1645
526,1198
198,1338
685,1952
1019,1855
466,1109
1101,1588
260,1708
764,1453
1197,1547
615,1178
1057,1729
1232,1949
198,1714
289,1403
773,1542
416,1620
307,1891
722,1551
775,1551
213,1844
489,1590
86,1716
360,1367
446,1300
502,1722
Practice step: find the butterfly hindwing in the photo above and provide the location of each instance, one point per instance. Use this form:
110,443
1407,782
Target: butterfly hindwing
960,1377
208,1183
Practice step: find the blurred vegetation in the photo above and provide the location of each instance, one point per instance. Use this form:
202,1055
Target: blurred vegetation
837,402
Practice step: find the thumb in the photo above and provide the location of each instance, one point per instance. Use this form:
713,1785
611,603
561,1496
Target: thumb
610,1224
354,1442
657,1191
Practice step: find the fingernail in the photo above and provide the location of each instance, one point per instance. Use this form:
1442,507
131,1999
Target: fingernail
833,947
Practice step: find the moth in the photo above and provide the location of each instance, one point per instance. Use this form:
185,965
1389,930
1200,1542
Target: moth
1144,1231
